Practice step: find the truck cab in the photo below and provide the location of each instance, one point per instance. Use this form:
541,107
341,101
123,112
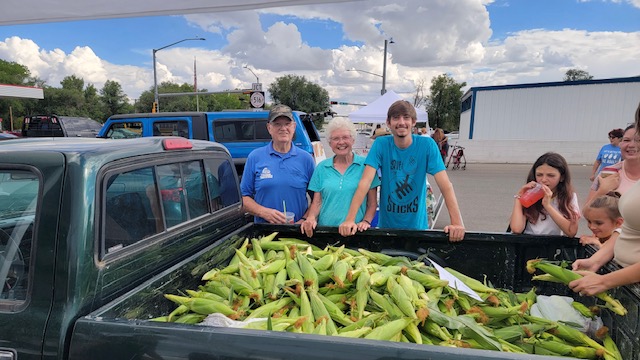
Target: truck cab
59,126
239,131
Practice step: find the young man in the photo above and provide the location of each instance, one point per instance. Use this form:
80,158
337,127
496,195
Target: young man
277,174
404,159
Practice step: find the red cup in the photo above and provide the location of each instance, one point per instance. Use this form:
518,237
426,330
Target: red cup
532,196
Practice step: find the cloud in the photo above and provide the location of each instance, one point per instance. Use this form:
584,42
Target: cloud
430,38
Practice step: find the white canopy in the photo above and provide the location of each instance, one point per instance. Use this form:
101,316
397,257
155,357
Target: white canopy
376,112
44,11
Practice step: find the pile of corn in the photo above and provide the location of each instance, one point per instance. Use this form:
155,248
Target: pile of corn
290,285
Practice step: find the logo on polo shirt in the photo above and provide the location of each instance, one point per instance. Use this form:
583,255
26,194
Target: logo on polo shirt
266,174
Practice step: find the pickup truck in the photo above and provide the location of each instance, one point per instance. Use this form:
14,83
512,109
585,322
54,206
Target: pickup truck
95,232
56,126
240,131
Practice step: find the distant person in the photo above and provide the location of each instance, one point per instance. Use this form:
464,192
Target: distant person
558,212
628,170
443,143
277,175
603,219
625,250
404,160
424,132
379,131
609,154
336,179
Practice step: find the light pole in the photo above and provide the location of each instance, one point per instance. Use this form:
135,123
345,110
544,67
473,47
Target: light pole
254,74
384,66
155,74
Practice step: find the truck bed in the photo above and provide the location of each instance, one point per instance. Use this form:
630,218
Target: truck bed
107,332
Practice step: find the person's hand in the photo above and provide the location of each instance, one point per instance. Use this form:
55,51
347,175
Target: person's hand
592,177
590,240
456,232
273,216
525,187
307,226
548,195
609,183
585,264
363,225
348,228
590,284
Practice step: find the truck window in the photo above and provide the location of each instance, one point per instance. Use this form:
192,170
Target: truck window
124,130
143,202
41,126
171,128
230,130
18,201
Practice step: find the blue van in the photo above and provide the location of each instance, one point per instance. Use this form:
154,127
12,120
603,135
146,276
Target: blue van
239,131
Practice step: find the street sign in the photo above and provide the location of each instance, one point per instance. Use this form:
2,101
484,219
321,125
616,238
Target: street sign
257,99
256,86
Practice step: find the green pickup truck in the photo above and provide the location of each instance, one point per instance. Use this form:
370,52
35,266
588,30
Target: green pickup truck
94,232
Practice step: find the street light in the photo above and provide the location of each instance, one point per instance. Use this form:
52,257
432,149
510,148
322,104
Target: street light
365,71
254,74
384,65
155,75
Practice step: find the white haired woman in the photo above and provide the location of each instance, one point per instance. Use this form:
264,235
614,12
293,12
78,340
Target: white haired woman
335,180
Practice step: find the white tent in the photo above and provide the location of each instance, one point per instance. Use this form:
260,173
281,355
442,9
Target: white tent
376,112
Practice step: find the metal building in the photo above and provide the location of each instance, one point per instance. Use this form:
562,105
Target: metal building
518,123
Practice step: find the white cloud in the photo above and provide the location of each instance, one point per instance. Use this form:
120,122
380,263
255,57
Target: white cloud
431,38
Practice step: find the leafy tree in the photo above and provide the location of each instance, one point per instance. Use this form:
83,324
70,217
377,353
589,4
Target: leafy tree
204,102
113,99
444,102
12,73
300,94
576,75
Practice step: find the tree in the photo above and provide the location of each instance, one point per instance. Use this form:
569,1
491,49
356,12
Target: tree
576,75
113,99
444,102
300,94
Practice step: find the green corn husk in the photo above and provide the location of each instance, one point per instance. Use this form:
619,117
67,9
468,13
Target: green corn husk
612,349
567,276
389,330
520,331
472,283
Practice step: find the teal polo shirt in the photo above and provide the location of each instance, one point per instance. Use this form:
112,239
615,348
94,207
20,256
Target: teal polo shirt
337,190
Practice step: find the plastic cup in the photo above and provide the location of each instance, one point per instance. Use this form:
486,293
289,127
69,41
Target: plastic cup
608,171
532,196
290,217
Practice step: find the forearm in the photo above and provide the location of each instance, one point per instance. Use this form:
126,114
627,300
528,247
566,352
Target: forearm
518,220
568,226
314,209
624,276
594,169
252,207
605,253
356,201
372,205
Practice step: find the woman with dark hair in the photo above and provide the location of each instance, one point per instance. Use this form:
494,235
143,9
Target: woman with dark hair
609,154
558,212
625,250
443,144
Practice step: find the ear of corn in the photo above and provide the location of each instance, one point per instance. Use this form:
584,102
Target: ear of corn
363,294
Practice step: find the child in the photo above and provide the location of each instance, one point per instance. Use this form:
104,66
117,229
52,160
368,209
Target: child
604,220
558,212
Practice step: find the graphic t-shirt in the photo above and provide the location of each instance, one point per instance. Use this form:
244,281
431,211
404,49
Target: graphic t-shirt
608,155
403,180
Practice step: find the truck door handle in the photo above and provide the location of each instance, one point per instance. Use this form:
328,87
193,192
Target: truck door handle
7,355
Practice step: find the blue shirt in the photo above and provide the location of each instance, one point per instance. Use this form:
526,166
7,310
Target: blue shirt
336,190
404,172
608,155
272,178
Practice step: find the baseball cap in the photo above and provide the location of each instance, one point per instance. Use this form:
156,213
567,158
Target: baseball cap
278,111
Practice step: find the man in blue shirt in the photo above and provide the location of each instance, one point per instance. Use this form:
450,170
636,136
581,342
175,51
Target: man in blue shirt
405,160
276,175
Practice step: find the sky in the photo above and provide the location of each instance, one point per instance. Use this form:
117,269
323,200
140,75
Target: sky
479,42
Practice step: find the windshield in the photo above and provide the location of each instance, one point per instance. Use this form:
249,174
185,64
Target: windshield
18,200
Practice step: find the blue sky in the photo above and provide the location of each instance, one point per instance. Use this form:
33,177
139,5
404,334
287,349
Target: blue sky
480,42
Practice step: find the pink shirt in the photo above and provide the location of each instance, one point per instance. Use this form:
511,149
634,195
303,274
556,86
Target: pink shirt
625,182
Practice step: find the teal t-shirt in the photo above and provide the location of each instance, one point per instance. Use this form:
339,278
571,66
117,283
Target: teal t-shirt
337,190
403,175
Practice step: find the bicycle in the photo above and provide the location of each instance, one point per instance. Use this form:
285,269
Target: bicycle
457,154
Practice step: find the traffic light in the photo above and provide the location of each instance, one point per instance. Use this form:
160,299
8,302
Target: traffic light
154,107
334,103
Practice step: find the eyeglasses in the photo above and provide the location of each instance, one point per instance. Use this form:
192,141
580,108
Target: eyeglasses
281,124
341,138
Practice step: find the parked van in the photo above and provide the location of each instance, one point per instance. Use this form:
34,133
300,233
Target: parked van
239,131
59,126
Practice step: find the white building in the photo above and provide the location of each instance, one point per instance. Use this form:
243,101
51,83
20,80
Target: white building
518,123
